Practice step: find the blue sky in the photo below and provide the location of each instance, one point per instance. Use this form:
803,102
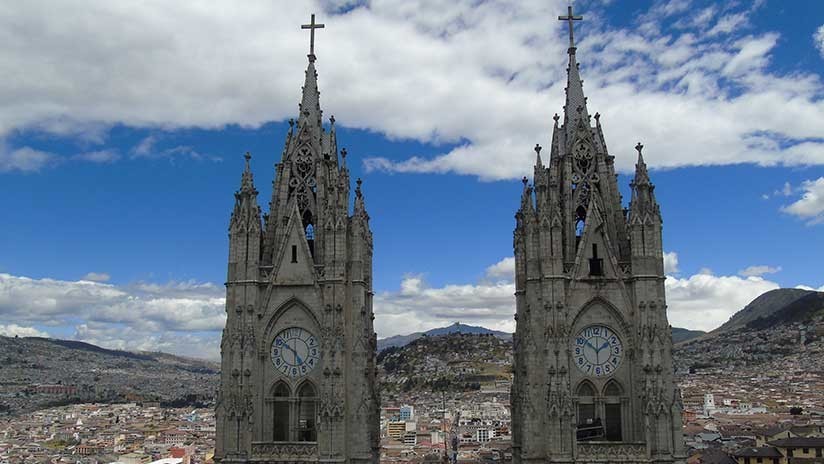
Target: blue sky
122,129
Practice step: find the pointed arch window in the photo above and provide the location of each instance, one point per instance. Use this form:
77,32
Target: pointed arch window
281,412
589,424
580,220
612,411
307,405
293,415
309,230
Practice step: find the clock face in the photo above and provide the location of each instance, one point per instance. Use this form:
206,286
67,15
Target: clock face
295,352
597,351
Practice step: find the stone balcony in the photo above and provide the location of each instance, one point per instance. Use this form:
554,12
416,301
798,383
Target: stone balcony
612,452
284,452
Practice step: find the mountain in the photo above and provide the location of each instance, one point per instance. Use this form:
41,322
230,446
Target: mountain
403,340
775,307
681,335
87,372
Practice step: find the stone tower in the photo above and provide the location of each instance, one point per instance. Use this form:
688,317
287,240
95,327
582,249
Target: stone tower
593,349
298,350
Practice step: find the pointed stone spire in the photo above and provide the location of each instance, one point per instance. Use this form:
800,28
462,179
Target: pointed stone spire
538,162
643,190
526,197
246,208
310,111
360,206
641,173
576,103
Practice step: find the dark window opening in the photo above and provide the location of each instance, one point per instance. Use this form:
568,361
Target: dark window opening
294,253
309,230
580,220
612,411
596,264
589,424
281,416
306,413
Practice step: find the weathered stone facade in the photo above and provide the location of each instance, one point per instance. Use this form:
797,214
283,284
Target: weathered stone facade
298,350
593,364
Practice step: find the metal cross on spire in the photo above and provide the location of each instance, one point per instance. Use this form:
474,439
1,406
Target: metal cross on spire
312,26
570,18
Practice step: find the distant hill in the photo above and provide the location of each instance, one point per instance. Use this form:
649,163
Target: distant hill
452,361
681,335
779,306
93,373
403,340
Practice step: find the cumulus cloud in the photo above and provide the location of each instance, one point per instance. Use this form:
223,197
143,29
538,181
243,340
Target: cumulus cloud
142,316
14,330
670,262
702,301
97,277
23,159
758,271
705,301
99,156
818,39
502,270
482,78
811,204
418,307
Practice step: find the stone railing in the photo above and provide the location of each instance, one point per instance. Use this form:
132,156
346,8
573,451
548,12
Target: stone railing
284,451
612,451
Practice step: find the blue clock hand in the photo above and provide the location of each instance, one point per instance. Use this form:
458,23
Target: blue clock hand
605,345
590,345
297,357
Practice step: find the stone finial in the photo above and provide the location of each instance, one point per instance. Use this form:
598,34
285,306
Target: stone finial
556,118
343,154
332,119
291,122
247,156
639,147
524,180
537,149
597,116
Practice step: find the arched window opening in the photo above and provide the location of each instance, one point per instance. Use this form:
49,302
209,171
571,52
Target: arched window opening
307,404
612,411
309,230
281,416
589,424
580,219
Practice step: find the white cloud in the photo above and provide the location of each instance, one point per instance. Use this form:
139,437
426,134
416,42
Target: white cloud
14,330
670,262
144,316
23,159
758,271
99,156
486,76
97,277
418,307
705,301
811,204
503,270
818,39
702,301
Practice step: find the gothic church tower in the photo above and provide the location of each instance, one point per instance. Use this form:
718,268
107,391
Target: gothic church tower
593,348
298,350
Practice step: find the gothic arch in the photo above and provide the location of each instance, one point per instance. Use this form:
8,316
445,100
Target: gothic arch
286,305
626,330
613,389
586,388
